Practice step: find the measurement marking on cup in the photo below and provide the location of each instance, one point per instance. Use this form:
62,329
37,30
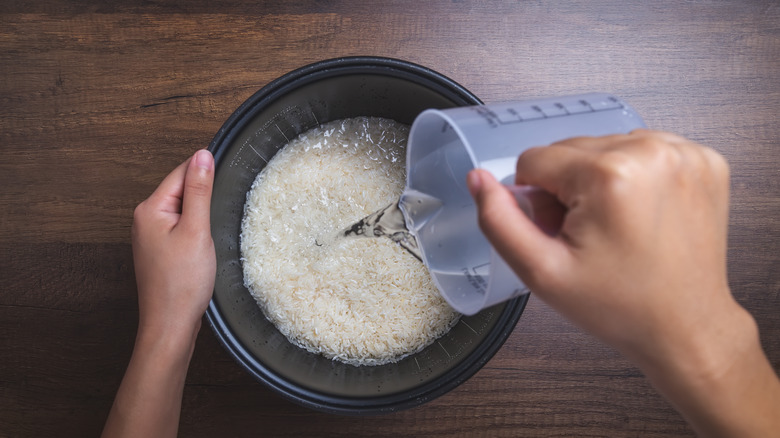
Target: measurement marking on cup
445,350
470,328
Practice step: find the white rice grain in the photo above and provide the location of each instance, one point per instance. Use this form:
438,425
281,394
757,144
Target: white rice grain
363,301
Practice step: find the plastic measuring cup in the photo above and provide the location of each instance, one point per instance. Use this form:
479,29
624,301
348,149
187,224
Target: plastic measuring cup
444,145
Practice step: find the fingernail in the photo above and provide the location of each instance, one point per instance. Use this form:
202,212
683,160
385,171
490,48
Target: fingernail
474,182
203,159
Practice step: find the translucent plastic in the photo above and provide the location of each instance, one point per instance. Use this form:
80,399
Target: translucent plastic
444,145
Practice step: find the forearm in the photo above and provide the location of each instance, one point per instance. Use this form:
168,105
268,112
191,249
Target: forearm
148,402
719,378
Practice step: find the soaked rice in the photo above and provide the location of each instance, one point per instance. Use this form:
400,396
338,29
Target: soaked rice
363,301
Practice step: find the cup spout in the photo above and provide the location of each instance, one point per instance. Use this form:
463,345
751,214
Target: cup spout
418,208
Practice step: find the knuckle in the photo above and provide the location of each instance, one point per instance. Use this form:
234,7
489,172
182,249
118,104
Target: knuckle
714,170
658,150
614,167
646,156
198,188
140,212
614,174
718,163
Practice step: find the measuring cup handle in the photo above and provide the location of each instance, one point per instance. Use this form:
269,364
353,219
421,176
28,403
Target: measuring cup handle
542,207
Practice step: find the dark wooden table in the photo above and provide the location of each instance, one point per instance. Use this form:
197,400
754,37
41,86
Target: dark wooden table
99,100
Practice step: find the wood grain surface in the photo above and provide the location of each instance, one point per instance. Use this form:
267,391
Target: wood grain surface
99,100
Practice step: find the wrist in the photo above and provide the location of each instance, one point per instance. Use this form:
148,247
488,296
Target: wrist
148,402
713,372
697,350
168,340
715,349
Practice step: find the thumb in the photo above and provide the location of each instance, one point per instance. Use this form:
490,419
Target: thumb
522,244
198,183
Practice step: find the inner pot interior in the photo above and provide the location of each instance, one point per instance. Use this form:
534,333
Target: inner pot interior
255,133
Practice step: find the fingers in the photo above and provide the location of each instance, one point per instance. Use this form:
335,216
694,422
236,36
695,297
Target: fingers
198,183
551,168
167,197
523,245
561,167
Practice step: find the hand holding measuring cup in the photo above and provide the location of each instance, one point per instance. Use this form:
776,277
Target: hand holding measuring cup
640,261
444,145
645,231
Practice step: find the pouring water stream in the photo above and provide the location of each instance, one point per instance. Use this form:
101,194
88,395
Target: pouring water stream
393,222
